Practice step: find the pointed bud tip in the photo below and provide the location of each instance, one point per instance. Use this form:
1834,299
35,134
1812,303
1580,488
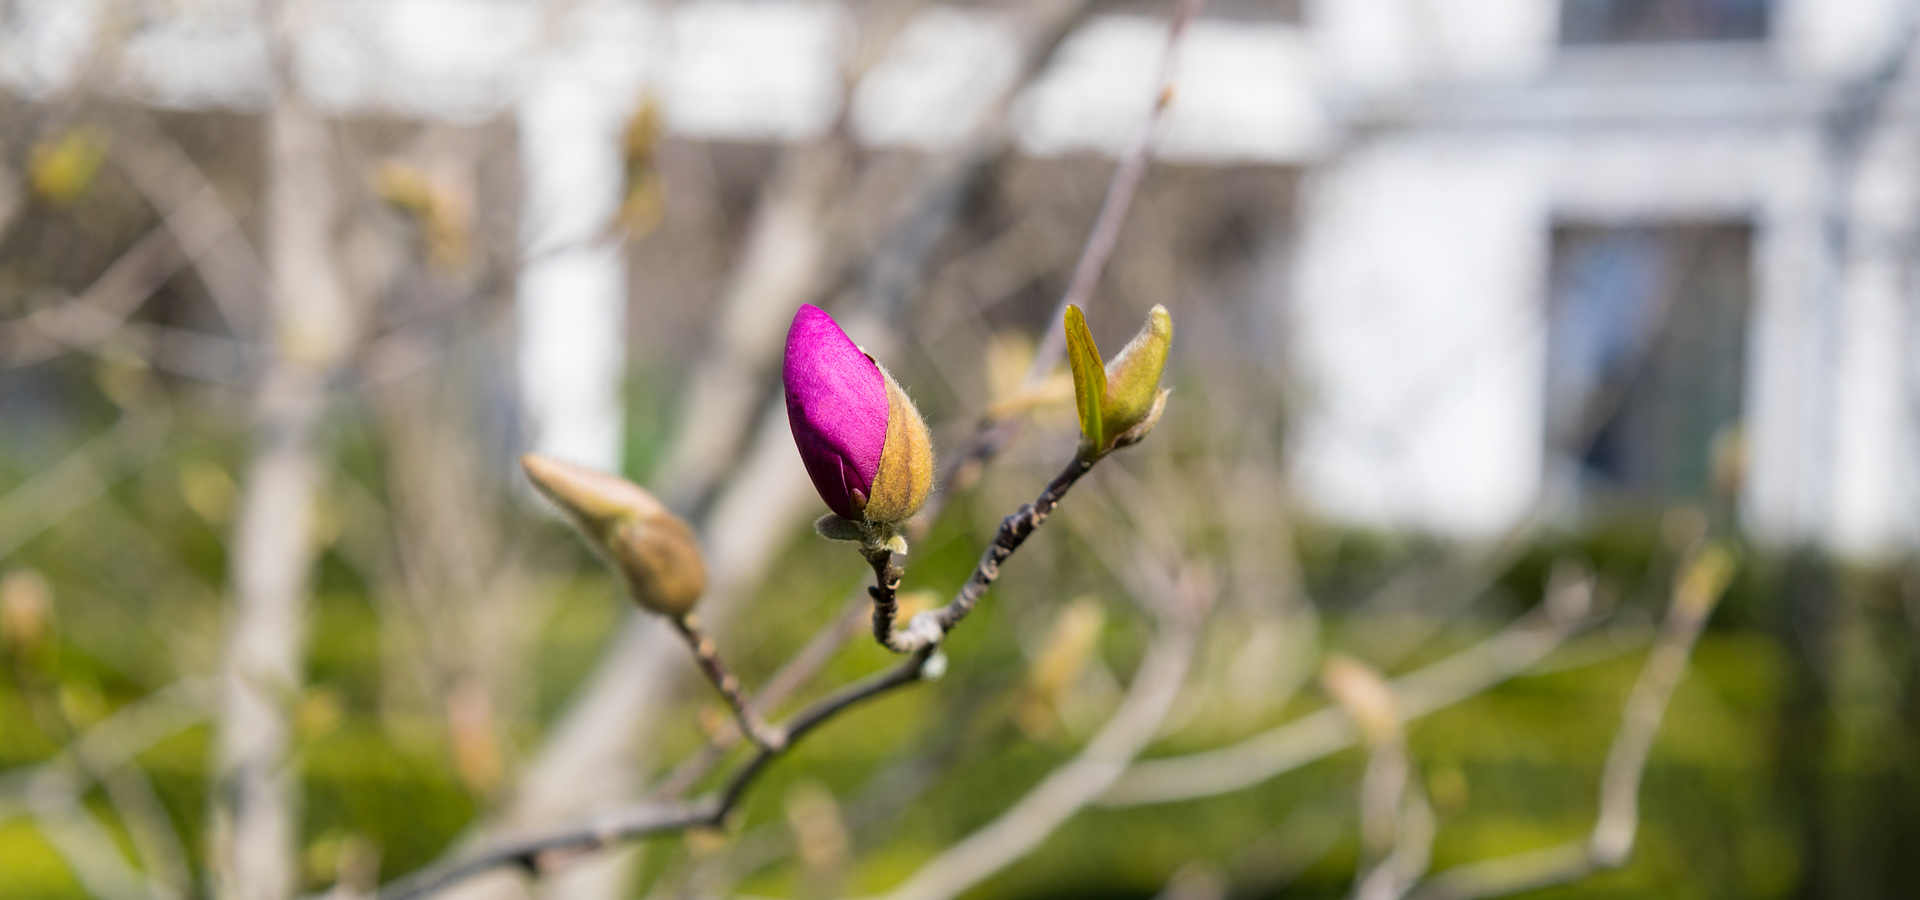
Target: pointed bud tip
593,498
654,551
837,407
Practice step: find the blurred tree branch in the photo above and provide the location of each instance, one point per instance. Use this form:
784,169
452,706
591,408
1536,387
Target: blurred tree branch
1696,590
1068,789
256,795
1317,735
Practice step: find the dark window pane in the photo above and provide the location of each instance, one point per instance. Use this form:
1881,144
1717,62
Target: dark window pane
1646,353
1657,21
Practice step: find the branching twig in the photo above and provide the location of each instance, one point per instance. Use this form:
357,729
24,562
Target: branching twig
658,818
713,811
798,670
927,628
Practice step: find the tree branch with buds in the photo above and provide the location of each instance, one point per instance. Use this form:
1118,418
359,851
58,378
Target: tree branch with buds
868,452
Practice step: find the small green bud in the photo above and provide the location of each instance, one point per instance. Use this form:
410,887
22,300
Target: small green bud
653,550
1119,402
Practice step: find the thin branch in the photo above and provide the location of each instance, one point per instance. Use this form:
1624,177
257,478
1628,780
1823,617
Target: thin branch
206,228
658,818
87,319
707,655
798,670
82,476
51,791
927,628
111,742
1611,841
1413,831
88,848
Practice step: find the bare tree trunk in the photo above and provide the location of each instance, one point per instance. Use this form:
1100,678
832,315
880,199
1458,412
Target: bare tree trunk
256,797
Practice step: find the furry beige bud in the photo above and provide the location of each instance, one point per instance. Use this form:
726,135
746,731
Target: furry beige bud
653,550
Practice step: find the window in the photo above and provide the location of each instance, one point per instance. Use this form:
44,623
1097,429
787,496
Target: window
1586,22
1646,355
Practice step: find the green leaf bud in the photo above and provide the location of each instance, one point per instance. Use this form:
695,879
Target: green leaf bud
1120,402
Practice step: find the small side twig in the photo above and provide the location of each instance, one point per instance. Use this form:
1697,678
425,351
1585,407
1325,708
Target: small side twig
819,650
707,655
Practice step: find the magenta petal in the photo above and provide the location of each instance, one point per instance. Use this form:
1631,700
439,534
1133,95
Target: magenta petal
837,407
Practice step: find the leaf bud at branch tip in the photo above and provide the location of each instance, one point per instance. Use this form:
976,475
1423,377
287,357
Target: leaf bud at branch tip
654,551
1119,402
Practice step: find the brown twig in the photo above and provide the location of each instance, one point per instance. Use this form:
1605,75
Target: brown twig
885,593
658,818
707,655
797,671
927,628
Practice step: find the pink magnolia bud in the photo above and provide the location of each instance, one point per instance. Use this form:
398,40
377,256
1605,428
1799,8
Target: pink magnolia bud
864,444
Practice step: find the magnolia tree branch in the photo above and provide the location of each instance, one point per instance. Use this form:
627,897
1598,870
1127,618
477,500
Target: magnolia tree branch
707,655
798,670
593,742
1611,841
929,627
660,817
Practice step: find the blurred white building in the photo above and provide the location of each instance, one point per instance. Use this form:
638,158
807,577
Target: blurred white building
1552,254
1568,244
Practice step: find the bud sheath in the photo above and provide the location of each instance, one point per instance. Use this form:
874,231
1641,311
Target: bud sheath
653,550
